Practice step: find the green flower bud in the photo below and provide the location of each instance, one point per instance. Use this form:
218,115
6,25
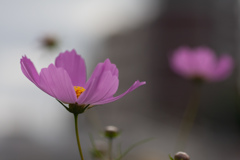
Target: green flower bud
111,132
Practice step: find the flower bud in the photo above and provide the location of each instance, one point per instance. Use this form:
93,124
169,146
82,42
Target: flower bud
111,132
50,41
181,156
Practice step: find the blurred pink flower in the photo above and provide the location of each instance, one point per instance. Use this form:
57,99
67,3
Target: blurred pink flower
66,80
201,63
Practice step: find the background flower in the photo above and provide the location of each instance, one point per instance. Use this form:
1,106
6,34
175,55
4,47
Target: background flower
201,63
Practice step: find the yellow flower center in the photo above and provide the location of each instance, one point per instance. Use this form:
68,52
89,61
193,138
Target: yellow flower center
78,90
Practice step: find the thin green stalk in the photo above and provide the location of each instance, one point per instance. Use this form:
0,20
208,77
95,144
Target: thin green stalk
132,147
77,136
110,148
189,118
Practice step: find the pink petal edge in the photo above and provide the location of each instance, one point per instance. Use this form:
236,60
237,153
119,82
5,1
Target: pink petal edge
133,87
75,66
53,81
98,84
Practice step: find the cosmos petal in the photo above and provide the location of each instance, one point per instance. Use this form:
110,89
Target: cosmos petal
103,67
29,70
181,60
204,61
223,68
90,89
111,99
98,85
104,85
112,89
56,82
75,66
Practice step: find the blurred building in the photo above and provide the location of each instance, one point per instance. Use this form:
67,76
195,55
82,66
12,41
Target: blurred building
143,53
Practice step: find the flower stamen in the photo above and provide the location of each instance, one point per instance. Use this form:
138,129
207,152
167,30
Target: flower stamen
79,90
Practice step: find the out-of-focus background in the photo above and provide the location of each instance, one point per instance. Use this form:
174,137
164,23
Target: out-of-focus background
138,36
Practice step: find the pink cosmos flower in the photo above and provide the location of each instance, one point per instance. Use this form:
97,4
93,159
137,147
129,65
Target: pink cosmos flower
201,63
66,80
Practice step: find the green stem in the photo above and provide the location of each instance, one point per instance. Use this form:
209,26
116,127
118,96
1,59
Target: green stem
132,147
77,136
189,118
110,148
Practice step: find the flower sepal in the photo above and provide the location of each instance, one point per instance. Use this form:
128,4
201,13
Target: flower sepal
77,109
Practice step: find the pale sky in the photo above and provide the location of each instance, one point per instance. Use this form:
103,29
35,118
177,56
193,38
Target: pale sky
79,24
